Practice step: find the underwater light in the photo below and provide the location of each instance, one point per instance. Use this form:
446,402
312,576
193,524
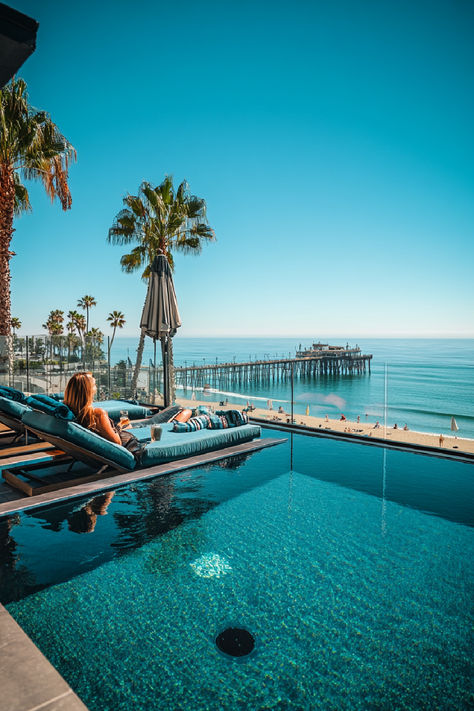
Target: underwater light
211,565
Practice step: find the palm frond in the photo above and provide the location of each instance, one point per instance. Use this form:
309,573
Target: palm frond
125,228
135,260
135,205
22,199
203,231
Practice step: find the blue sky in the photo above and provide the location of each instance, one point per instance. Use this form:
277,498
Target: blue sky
332,142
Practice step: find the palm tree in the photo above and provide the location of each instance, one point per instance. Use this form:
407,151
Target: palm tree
16,325
57,316
86,303
54,326
78,323
95,338
117,320
159,220
71,338
31,147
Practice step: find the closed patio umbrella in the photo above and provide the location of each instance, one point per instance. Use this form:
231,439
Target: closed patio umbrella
160,317
454,425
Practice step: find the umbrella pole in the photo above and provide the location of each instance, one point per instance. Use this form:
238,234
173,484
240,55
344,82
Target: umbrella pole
164,355
154,370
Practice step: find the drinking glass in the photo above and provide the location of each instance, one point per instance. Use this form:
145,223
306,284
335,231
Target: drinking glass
155,433
124,418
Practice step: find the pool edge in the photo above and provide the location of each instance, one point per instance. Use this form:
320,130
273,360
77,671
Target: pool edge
27,679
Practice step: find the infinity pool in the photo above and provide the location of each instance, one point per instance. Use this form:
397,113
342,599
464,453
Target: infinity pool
352,567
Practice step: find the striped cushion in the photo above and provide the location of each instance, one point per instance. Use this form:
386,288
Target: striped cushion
194,423
215,422
234,418
202,410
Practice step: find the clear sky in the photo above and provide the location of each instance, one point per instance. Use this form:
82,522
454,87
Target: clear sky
332,141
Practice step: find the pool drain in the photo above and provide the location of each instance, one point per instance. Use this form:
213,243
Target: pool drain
235,641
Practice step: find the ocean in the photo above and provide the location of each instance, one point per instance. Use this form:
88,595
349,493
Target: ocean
418,382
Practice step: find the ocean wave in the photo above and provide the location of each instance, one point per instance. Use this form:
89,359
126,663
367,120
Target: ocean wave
435,413
240,396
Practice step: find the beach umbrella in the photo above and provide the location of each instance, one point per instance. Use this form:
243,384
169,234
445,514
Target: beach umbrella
17,41
454,425
160,317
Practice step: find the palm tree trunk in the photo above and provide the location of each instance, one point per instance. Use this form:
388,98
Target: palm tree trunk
112,340
138,362
7,203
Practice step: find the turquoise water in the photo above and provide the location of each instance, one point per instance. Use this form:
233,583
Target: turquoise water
428,380
353,568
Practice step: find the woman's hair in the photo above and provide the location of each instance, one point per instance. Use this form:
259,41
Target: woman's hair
78,396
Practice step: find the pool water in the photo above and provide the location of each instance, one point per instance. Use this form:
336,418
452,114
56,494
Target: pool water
355,600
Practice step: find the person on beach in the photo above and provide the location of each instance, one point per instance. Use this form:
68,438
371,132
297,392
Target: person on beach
342,418
326,419
395,426
441,440
377,425
281,410
79,396
358,419
406,427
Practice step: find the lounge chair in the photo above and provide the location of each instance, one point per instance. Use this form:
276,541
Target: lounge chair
100,454
14,403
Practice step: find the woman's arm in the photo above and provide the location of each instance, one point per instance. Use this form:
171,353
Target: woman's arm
103,426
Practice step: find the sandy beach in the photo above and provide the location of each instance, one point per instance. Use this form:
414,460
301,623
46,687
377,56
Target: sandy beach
361,428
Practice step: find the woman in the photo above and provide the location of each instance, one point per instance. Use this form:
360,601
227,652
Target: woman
79,396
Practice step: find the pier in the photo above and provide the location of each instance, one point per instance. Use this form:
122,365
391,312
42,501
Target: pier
335,361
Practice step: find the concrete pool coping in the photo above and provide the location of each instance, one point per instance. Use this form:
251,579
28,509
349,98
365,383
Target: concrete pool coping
27,680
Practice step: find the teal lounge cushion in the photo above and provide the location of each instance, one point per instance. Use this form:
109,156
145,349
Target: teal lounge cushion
113,408
12,393
13,408
173,445
76,434
57,396
50,406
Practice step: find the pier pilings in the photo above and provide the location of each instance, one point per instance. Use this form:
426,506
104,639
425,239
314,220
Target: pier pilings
266,372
